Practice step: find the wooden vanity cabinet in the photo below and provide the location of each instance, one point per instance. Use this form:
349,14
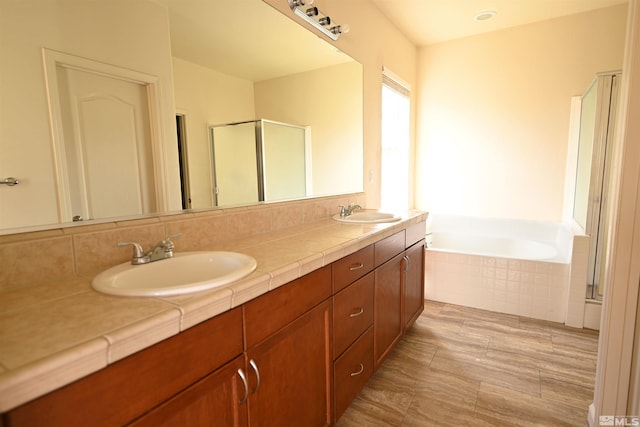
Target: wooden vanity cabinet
388,323
399,287
296,355
352,370
127,389
217,399
413,273
413,287
353,340
288,337
350,268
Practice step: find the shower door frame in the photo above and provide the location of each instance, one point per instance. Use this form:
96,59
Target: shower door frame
608,88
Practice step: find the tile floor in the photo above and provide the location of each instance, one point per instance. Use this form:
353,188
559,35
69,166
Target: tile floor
460,366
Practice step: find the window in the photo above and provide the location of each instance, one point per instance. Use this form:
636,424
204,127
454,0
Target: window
395,164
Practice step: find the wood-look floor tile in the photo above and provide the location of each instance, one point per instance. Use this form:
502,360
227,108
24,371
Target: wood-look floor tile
522,342
380,403
447,335
460,366
555,388
432,307
522,379
437,386
475,314
521,409
424,412
582,343
556,328
573,369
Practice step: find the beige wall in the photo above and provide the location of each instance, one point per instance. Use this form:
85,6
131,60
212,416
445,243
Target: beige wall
198,91
373,41
25,140
493,116
333,111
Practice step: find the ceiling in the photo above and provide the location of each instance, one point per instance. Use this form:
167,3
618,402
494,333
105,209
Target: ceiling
427,22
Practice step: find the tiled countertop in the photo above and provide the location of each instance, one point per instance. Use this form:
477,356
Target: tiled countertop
55,333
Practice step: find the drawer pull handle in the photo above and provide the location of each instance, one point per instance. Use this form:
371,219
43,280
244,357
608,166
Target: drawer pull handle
246,386
255,368
355,374
355,267
357,313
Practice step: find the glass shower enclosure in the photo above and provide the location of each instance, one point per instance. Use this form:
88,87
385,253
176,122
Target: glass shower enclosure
259,160
597,126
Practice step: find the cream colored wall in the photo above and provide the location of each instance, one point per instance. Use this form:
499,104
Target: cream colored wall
198,91
86,30
373,41
493,118
333,113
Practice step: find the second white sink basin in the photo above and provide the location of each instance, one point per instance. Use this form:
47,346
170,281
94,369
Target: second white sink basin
368,217
184,273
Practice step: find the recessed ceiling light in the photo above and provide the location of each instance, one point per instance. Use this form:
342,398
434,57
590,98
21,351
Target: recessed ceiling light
485,15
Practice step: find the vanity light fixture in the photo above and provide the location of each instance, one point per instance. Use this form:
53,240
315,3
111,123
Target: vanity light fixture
318,19
485,15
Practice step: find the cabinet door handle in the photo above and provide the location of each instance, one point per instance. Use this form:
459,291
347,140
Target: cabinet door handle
355,374
357,266
357,313
243,377
407,263
255,368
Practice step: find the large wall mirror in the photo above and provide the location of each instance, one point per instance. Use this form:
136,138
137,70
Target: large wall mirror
187,66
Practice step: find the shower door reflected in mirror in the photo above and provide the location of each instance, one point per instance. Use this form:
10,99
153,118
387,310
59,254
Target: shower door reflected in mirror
257,161
597,120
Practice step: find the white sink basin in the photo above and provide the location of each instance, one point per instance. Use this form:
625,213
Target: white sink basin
368,217
186,272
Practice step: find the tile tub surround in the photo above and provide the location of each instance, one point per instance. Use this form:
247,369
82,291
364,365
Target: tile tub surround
508,266
56,330
534,289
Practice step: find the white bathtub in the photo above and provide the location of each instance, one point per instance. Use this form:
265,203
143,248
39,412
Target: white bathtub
509,266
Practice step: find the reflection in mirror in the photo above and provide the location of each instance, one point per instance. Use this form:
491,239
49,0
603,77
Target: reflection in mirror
585,154
253,63
259,161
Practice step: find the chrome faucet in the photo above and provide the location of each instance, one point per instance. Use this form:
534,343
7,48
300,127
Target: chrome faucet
348,210
162,250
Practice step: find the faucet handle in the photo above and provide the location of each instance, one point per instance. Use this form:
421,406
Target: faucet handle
343,210
167,243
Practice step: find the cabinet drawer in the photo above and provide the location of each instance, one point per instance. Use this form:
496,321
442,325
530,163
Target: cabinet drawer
274,310
352,313
416,232
352,267
128,388
389,247
351,371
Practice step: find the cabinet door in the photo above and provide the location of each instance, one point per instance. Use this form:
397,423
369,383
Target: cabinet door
387,323
290,373
219,399
413,283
